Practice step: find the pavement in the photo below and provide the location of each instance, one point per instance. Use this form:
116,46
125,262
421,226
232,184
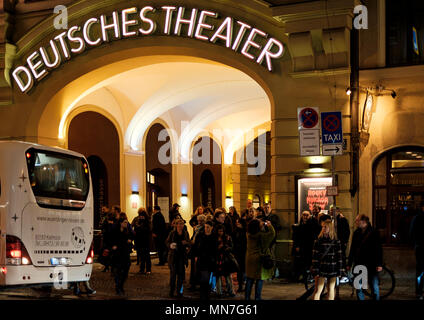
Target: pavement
156,287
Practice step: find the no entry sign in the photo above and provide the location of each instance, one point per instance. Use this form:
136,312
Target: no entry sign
332,133
308,118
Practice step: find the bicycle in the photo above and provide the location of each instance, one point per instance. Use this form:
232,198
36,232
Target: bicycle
386,283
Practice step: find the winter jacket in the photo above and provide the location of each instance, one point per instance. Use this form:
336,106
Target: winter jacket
204,250
159,225
120,257
327,258
222,254
257,245
143,233
366,249
180,253
417,230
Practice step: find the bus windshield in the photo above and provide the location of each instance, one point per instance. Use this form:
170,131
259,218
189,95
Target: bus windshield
58,180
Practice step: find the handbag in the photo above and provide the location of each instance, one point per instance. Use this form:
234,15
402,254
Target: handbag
267,261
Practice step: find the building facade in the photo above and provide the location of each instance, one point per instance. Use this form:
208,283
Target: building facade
196,102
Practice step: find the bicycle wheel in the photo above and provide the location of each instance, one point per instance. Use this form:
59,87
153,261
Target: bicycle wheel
386,283
308,280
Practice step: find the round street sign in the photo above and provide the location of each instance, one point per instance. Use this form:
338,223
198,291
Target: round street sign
331,123
308,118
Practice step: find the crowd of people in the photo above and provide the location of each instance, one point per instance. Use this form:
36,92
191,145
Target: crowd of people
320,243
222,244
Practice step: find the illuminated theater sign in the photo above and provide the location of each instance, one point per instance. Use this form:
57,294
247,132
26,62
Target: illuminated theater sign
131,22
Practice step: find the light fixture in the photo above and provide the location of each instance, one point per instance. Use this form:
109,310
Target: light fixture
393,94
348,91
183,194
227,197
135,192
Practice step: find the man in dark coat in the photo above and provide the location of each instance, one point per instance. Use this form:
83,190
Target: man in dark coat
417,236
303,241
205,249
366,250
143,233
159,234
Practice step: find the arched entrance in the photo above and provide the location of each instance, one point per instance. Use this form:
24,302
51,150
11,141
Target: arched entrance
207,173
100,187
398,190
158,170
207,189
87,134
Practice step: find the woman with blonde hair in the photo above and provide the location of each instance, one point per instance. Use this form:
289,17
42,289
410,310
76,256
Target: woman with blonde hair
327,260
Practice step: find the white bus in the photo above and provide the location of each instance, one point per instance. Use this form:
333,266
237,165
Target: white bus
46,216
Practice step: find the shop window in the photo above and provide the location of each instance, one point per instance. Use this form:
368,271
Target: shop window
404,32
398,181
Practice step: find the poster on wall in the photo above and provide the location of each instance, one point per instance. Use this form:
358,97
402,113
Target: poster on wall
163,203
313,191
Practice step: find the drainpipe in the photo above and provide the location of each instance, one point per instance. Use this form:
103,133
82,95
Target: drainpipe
354,111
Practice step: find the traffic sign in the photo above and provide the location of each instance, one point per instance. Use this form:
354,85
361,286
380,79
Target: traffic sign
309,143
308,118
331,125
332,149
332,191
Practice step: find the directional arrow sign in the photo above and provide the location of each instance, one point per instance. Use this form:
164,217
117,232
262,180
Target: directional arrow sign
332,150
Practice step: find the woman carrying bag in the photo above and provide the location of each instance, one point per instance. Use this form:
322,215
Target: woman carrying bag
327,260
259,238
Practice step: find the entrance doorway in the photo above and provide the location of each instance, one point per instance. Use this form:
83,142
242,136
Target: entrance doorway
398,190
100,186
207,189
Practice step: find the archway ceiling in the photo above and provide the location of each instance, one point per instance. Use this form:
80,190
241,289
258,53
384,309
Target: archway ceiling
191,97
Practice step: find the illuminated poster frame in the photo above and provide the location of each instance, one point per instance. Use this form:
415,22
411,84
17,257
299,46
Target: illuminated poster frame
310,191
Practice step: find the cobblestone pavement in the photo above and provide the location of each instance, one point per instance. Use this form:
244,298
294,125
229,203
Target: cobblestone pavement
156,287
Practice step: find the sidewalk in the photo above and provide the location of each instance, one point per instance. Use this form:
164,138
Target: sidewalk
156,287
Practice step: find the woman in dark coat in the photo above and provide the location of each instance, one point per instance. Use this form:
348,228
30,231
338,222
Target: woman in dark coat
205,253
327,260
121,248
178,243
239,251
143,236
224,249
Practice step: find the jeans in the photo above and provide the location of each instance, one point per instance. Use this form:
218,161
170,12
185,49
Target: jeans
373,282
258,288
145,261
228,281
205,286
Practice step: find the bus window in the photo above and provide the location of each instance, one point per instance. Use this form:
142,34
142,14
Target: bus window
58,180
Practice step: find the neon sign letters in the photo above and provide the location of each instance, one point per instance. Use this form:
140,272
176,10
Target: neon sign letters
131,22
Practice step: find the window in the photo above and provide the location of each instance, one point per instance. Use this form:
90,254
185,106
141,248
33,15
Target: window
405,32
58,180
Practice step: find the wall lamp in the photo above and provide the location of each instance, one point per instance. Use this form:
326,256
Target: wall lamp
227,197
375,91
183,194
135,192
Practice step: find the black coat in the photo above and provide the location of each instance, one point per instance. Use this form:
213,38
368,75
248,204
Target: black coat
159,225
180,254
343,230
120,257
304,236
222,255
204,250
143,233
366,249
417,230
